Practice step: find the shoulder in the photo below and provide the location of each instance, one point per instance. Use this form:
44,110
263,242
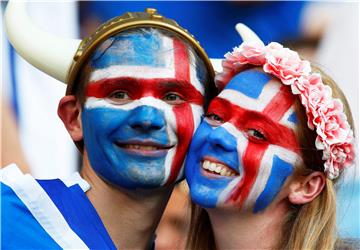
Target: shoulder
19,227
30,217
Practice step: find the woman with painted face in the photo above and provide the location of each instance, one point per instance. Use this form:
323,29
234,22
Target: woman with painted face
264,161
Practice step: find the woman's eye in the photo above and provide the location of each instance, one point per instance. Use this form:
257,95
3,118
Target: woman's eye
214,119
119,96
173,98
256,134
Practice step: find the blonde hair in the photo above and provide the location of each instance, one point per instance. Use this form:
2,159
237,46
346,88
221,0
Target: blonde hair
308,226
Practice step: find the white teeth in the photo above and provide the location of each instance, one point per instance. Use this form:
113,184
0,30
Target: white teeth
217,168
223,171
212,166
207,164
141,147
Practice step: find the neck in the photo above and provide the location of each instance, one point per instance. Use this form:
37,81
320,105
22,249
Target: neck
234,229
129,216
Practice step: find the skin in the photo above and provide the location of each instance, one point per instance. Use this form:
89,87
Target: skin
253,139
173,227
137,122
249,129
11,150
131,119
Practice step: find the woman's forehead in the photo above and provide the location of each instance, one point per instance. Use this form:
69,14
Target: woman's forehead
256,91
251,82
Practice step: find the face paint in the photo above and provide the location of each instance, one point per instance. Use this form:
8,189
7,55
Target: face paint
245,148
144,101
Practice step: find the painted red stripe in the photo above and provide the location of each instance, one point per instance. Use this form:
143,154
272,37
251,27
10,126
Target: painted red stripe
138,88
280,104
252,162
244,119
185,129
181,61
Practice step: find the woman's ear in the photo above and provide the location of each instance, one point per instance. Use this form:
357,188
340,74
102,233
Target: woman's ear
69,111
305,189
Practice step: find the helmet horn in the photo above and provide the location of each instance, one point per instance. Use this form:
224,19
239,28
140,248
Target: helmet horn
49,53
247,34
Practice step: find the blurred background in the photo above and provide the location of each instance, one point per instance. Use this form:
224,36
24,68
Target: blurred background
33,136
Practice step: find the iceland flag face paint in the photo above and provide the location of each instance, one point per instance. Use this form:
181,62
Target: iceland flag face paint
143,103
245,148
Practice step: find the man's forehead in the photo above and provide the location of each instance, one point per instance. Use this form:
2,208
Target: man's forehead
147,54
147,48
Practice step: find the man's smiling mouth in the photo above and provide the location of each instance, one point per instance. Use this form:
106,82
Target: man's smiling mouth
144,148
217,168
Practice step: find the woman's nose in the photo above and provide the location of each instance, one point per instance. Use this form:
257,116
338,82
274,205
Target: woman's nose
222,139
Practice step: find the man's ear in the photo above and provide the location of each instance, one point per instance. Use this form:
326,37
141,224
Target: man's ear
69,111
305,189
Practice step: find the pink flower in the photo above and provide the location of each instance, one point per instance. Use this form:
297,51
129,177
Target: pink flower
250,53
325,114
337,157
285,63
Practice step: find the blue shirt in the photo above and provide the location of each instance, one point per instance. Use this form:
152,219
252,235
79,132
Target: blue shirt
48,214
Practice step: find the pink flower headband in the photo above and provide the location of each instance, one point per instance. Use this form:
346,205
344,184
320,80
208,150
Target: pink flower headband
324,113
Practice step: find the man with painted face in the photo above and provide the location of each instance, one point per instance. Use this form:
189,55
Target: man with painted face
135,95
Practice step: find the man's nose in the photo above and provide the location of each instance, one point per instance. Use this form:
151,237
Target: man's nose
147,118
221,139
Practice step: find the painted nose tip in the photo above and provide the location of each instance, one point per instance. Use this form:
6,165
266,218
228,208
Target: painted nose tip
147,118
220,139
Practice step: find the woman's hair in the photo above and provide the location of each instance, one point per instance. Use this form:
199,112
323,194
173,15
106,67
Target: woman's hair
308,226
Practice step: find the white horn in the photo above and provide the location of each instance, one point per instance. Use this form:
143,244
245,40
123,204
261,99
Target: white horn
247,34
216,63
49,53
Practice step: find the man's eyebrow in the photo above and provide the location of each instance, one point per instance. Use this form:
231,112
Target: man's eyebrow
174,84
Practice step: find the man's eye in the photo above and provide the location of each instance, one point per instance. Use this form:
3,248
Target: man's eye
256,134
214,119
173,98
119,96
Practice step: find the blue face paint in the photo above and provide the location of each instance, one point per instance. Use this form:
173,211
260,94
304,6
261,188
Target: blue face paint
143,103
250,129
280,171
130,49
250,83
209,143
106,132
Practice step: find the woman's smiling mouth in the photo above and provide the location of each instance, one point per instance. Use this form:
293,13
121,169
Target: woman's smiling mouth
216,168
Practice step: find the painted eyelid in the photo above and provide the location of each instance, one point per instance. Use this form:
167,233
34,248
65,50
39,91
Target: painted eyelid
213,122
258,130
117,91
174,93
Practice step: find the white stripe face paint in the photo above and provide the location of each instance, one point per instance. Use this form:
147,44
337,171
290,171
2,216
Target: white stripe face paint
247,135
246,102
289,119
264,171
169,115
144,101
